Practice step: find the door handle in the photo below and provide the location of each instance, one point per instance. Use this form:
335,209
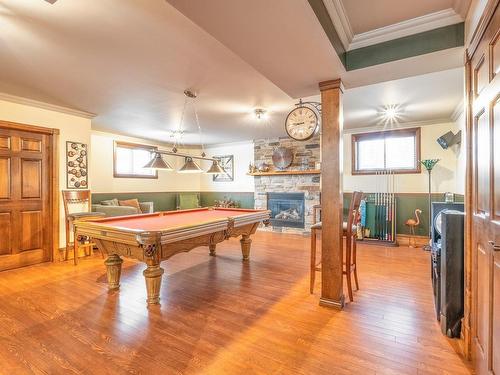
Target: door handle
495,247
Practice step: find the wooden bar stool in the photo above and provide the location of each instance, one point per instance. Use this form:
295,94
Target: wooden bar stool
349,232
80,200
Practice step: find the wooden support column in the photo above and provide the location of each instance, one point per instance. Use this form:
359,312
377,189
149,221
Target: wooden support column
332,294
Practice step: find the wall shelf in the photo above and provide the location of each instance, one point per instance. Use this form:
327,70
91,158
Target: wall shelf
284,173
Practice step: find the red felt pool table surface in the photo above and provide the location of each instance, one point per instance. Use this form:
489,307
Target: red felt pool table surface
171,219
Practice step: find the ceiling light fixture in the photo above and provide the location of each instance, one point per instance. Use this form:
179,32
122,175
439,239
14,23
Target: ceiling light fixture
216,168
391,113
158,163
189,165
260,113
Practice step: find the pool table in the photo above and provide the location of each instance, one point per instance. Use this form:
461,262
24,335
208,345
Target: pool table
158,236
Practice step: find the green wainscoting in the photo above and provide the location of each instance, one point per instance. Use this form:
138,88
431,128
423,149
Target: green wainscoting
162,201
167,201
406,204
244,200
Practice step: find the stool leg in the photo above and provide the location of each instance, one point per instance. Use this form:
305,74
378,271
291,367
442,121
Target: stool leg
355,263
67,241
313,261
75,248
348,266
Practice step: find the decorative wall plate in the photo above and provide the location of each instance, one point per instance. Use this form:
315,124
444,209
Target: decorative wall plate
282,158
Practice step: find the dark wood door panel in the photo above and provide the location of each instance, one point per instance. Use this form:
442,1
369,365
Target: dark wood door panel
496,158
4,142
28,144
483,197
31,235
483,296
495,346
31,178
482,162
5,233
5,179
25,195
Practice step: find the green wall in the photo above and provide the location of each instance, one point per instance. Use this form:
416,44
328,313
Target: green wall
166,201
405,209
405,204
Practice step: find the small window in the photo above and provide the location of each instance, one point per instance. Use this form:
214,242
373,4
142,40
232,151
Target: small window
393,150
129,159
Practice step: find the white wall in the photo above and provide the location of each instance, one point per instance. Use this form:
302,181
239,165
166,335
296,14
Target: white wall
71,127
443,174
101,169
243,156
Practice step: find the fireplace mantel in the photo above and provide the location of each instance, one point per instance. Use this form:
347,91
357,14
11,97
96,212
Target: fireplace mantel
285,173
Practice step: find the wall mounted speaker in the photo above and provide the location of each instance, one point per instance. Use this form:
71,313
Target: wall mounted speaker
449,139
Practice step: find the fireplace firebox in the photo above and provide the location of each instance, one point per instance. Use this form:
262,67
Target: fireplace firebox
287,209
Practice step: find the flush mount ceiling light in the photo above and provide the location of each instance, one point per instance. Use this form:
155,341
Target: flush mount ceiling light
391,113
189,165
260,113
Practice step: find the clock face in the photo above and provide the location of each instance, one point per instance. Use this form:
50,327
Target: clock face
301,123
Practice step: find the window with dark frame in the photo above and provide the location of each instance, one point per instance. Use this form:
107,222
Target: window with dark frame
129,158
397,151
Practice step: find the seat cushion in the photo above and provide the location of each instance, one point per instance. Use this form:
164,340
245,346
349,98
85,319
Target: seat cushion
110,202
316,226
131,203
344,226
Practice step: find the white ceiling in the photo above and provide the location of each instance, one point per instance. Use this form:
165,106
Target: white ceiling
429,98
129,62
367,15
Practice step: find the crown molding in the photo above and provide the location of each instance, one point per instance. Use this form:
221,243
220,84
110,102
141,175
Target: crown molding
340,21
457,112
43,105
416,25
403,125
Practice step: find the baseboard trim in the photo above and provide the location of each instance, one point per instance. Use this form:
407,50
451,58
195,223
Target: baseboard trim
337,305
419,241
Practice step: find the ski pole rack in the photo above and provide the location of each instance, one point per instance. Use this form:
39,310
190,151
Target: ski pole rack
380,228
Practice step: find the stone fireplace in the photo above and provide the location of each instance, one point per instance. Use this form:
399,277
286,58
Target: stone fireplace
307,186
287,209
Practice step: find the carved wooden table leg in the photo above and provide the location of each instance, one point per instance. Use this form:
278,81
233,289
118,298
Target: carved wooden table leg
113,270
151,244
245,246
153,275
211,247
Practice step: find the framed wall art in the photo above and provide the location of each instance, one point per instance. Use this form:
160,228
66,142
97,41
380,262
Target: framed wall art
76,165
226,162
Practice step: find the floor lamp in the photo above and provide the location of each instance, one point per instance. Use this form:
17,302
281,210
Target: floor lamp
429,164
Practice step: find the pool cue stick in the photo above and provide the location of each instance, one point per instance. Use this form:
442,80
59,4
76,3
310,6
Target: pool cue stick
377,221
386,210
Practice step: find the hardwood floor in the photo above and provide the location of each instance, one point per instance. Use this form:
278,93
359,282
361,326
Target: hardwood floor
222,316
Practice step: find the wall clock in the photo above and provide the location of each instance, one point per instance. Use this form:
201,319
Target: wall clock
301,123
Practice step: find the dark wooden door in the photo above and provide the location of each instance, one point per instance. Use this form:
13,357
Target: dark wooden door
25,218
485,236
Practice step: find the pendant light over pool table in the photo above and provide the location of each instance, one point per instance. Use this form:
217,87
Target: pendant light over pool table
190,166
